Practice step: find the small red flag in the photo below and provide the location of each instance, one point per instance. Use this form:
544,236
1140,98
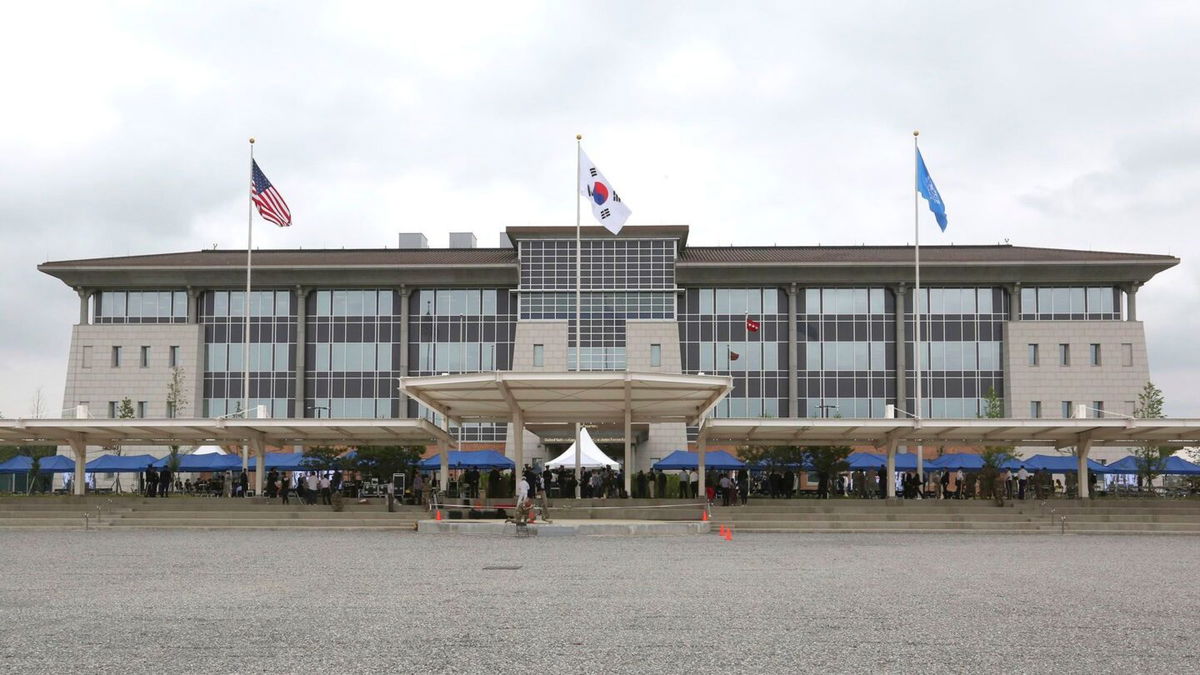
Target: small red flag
734,356
751,325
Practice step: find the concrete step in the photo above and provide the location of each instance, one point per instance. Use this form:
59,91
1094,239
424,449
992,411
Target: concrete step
261,522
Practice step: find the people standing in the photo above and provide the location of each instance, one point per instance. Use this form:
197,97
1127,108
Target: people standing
312,487
164,482
418,487
882,475
958,484
1022,481
685,484
944,490
326,490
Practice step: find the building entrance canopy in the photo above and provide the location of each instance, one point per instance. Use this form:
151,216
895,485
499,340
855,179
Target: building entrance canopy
556,398
569,397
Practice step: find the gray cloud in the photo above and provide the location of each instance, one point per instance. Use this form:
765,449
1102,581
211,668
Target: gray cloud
1052,124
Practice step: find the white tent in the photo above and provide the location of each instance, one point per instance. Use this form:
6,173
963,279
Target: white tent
590,455
208,450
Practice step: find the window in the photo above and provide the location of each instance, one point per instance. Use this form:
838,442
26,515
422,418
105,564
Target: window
1035,409
1066,410
1097,408
144,358
173,356
116,357
1064,355
1126,354
1033,355
171,409
87,357
112,410
539,356
655,356
141,409
1094,354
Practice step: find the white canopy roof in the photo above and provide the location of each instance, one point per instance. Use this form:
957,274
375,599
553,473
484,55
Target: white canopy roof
208,450
590,455
551,398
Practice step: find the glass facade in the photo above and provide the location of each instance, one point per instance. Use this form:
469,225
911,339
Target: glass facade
455,330
714,340
846,341
621,279
1092,303
962,343
272,351
141,307
352,354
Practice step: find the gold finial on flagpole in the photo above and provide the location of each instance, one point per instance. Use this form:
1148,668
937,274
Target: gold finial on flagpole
251,140
579,137
915,133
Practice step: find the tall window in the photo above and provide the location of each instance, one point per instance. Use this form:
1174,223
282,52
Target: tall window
1064,355
1066,410
1094,354
112,410
655,356
173,356
171,409
1033,355
1035,409
144,357
141,408
116,357
539,356
1097,408
1126,354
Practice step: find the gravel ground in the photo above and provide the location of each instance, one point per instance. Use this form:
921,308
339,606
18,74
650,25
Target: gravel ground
338,602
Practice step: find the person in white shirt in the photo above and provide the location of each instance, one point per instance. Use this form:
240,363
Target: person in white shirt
685,480
1022,481
312,483
958,484
522,490
326,492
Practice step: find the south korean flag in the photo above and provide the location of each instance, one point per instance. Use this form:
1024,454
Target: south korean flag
607,206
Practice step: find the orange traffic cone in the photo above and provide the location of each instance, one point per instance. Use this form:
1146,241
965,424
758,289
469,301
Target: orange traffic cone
704,516
721,530
728,534
439,515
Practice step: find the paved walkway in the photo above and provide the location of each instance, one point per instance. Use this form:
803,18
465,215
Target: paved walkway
341,602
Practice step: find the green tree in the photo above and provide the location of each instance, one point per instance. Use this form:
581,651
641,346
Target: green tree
827,461
177,400
774,456
383,461
1151,459
322,458
993,456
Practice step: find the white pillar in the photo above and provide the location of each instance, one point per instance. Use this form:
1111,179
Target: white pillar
891,470
628,451
79,448
701,448
518,447
444,470
260,453
1084,447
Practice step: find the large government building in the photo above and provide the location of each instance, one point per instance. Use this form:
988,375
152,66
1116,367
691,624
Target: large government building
332,330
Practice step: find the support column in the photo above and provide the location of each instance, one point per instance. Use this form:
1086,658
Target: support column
900,292
1131,301
403,365
1083,448
628,451
701,449
79,449
444,469
1014,301
260,467
193,306
793,353
301,350
84,296
518,446
891,470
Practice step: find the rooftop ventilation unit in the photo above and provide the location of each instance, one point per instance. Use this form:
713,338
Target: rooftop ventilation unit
413,240
463,240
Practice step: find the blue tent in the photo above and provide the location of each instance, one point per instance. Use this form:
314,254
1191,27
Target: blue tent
682,459
1175,465
968,461
52,464
204,463
1055,464
120,463
468,459
866,460
282,461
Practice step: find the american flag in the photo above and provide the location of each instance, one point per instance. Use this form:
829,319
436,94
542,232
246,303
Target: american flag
268,200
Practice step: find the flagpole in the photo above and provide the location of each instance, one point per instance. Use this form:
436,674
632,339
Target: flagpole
246,306
917,300
578,301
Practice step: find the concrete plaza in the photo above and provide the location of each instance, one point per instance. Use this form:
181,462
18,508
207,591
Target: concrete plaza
295,601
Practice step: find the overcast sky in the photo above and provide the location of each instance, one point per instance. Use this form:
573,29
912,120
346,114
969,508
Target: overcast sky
1045,124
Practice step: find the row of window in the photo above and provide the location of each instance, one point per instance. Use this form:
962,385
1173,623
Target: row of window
264,357
232,304
456,357
1068,302
539,355
117,356
353,303
142,306
1095,354
741,301
1069,408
